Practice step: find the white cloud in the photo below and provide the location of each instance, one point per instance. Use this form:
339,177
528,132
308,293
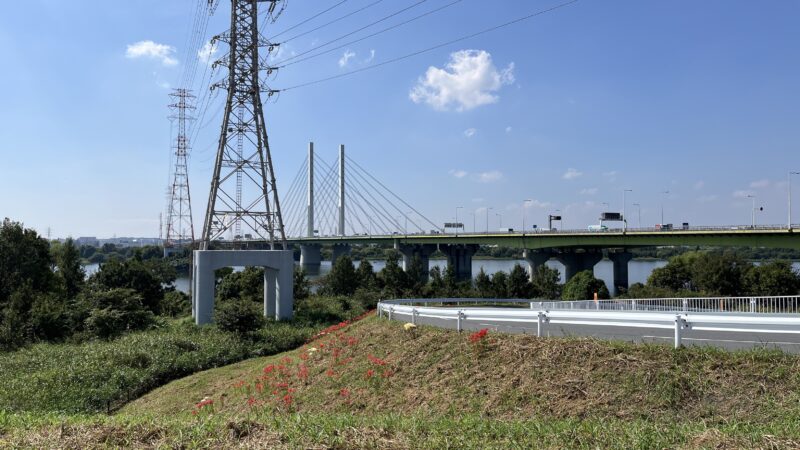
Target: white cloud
571,174
371,56
467,81
469,132
741,194
589,191
152,50
208,53
458,173
706,198
699,185
490,176
538,204
760,184
508,129
346,57
611,176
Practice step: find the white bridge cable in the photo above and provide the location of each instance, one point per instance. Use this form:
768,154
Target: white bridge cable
380,204
337,39
293,199
357,166
332,21
346,44
329,208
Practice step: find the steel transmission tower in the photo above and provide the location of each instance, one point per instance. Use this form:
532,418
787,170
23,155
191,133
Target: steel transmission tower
244,200
180,229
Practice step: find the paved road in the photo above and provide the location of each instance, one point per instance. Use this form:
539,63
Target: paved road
789,343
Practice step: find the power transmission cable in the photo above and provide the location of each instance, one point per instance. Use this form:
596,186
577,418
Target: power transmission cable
369,35
414,5
332,21
308,20
426,50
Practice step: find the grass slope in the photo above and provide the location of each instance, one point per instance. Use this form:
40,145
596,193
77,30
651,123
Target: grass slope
373,385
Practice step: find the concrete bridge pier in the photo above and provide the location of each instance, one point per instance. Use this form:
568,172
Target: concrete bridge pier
423,251
535,258
311,258
578,261
339,250
460,257
620,260
278,279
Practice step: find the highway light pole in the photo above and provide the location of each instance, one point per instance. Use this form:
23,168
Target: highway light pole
664,193
487,219
624,217
639,211
789,224
753,211
524,213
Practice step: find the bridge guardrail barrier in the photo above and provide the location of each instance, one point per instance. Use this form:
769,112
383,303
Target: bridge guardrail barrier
679,321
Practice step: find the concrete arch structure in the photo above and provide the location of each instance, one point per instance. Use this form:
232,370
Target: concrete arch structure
278,280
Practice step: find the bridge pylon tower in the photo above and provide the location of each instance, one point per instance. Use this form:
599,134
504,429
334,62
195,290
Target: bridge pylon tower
243,200
180,229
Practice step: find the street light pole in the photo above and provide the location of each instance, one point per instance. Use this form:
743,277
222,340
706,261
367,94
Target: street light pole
624,217
789,224
665,193
753,211
487,219
524,213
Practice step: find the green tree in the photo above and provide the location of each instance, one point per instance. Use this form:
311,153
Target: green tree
583,286
720,274
393,277
366,275
483,283
113,312
416,276
450,280
70,271
546,283
500,285
238,316
301,285
436,282
772,278
342,279
519,285
24,259
176,304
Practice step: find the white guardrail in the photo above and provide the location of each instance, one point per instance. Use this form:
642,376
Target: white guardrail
742,314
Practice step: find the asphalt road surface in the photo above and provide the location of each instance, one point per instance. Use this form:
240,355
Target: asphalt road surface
789,343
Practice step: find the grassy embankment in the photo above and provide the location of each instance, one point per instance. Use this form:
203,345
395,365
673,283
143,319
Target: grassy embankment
374,385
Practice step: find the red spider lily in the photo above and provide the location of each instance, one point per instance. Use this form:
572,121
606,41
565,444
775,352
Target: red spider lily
304,356
269,369
330,373
194,412
387,373
344,392
239,384
287,400
302,373
286,360
251,401
478,335
376,361
370,373
259,387
351,341
345,361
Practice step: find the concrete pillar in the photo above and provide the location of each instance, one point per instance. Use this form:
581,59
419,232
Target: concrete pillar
204,292
311,258
310,203
460,257
535,258
285,292
341,190
620,260
339,250
575,262
423,251
270,292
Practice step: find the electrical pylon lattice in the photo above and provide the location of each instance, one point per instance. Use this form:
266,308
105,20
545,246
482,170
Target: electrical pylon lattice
180,229
243,203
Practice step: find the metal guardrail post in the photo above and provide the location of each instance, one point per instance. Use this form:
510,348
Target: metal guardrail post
540,324
679,322
633,305
458,320
752,305
414,316
391,310
685,305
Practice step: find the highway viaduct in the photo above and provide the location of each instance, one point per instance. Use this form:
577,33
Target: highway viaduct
576,250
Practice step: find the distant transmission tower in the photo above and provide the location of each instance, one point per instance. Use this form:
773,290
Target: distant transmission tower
244,200
180,230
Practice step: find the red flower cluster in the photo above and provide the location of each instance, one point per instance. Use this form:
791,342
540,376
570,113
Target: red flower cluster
478,336
376,361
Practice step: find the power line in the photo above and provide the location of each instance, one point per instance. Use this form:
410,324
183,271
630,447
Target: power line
444,44
332,21
372,35
308,20
353,32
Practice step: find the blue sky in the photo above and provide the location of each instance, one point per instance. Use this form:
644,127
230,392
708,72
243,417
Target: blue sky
567,109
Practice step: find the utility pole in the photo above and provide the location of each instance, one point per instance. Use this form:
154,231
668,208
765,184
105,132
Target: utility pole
753,211
664,193
624,217
524,212
789,224
180,228
244,195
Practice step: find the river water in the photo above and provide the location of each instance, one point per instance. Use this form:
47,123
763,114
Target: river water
638,270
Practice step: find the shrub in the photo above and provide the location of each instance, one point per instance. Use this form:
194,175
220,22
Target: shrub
583,286
114,312
176,304
239,316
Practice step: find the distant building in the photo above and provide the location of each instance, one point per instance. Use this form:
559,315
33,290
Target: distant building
91,241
